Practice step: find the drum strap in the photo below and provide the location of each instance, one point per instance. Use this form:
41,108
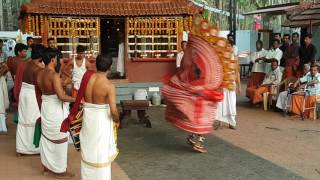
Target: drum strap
74,111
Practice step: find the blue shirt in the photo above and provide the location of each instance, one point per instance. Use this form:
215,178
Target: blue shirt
313,89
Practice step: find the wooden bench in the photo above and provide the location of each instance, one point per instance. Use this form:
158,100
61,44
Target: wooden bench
140,106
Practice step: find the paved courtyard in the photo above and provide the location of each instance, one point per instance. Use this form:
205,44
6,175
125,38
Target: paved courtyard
264,146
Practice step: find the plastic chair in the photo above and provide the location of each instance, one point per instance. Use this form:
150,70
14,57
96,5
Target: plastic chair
269,97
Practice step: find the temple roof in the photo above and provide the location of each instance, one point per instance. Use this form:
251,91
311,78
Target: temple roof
111,7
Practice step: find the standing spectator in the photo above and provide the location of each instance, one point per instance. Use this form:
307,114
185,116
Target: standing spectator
273,54
291,57
233,44
80,66
30,42
307,52
277,36
181,53
52,47
3,54
4,99
284,48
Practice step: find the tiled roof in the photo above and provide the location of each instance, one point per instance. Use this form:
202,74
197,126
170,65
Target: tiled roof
306,14
111,7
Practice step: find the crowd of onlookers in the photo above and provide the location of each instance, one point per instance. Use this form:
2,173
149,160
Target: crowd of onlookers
286,73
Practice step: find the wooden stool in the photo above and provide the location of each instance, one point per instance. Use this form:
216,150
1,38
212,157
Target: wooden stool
140,106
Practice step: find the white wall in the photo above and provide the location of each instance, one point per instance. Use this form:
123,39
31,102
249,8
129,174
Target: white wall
245,41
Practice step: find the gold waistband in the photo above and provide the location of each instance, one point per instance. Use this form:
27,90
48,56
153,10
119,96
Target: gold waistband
26,125
101,165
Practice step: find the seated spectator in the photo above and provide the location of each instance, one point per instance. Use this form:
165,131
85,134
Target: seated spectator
284,98
255,93
258,68
311,84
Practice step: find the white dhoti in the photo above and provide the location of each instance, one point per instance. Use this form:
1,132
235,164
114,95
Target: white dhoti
120,61
98,142
284,101
226,110
53,143
28,114
4,103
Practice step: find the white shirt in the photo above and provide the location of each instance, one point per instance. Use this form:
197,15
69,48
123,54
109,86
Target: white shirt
179,58
274,77
3,55
235,50
261,65
273,54
77,73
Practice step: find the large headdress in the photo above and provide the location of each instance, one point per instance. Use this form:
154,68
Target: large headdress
211,54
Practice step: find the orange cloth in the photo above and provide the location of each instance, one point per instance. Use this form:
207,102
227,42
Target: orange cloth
289,70
255,94
74,93
297,105
255,78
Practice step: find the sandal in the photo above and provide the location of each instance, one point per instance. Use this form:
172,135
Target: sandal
199,147
191,140
201,138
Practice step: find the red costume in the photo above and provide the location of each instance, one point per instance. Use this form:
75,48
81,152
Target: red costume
191,95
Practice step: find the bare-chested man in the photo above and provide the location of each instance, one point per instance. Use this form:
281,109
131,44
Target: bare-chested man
100,118
12,65
53,143
20,51
27,105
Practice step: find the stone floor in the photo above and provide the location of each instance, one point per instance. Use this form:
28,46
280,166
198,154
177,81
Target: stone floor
29,167
265,145
259,149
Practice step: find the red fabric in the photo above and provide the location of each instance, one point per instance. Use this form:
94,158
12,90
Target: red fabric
192,94
291,67
10,64
74,93
18,83
66,123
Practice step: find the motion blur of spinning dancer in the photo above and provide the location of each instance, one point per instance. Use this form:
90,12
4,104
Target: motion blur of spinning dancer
193,92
